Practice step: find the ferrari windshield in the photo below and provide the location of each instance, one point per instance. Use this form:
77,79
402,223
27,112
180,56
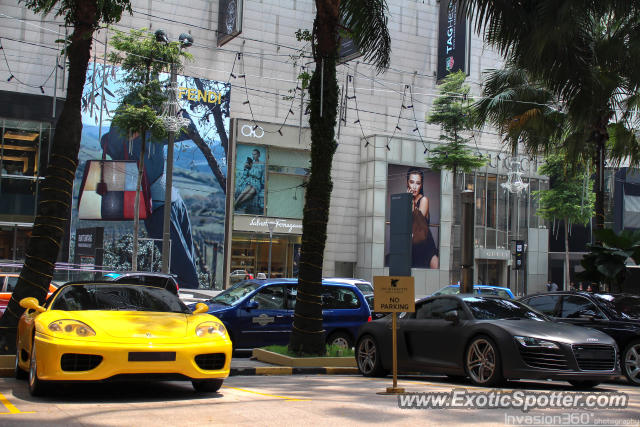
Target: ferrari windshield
496,308
234,294
117,297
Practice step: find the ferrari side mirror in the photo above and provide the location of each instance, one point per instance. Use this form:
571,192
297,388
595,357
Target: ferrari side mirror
31,303
201,308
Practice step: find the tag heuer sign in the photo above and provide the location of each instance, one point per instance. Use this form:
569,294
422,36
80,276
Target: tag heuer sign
394,293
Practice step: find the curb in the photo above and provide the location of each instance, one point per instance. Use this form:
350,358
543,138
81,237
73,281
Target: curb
286,370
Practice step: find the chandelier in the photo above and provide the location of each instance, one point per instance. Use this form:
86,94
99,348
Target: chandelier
171,118
514,183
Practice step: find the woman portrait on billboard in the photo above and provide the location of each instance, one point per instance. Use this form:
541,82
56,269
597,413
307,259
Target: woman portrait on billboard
424,251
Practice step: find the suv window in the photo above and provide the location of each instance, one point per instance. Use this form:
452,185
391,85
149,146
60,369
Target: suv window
12,281
270,298
365,288
436,308
337,297
574,306
547,304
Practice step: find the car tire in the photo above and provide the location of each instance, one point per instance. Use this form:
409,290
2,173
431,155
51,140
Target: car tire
20,373
37,387
482,362
340,339
583,385
207,386
631,362
368,357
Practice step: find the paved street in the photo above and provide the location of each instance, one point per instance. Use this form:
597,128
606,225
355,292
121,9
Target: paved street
273,400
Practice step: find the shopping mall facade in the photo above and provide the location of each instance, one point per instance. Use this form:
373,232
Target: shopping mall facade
240,170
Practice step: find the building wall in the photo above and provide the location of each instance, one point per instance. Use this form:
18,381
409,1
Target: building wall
267,42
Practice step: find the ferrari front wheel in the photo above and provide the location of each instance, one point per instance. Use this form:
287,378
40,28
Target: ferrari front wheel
37,387
207,386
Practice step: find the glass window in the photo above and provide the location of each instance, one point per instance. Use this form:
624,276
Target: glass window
436,308
118,297
492,196
334,297
534,185
493,308
623,306
292,294
547,304
289,158
270,298
285,195
12,281
481,201
574,307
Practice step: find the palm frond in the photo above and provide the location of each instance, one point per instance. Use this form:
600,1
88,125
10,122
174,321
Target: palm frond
366,21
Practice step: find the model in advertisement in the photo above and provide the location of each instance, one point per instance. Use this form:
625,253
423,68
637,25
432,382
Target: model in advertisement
424,251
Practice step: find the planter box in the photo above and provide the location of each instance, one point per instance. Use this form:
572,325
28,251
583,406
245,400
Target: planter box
304,362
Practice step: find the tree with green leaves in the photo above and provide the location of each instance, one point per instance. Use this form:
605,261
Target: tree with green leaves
452,110
570,199
587,54
606,260
55,192
142,59
366,23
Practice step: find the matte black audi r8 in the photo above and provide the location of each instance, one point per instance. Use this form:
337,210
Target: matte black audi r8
487,339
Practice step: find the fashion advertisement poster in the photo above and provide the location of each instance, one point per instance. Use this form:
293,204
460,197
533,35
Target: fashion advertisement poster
106,179
424,185
250,175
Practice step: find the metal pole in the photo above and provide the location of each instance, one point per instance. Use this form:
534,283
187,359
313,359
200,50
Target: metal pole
468,210
270,245
166,224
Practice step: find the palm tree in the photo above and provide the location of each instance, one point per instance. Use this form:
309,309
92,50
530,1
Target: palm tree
366,23
54,205
587,54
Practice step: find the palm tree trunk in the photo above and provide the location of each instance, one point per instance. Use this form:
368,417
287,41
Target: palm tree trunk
599,190
136,206
567,273
307,334
55,196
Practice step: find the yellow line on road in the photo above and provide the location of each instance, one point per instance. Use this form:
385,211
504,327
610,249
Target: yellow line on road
12,409
267,394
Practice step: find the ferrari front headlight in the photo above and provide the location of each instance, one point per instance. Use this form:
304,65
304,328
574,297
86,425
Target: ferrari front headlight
210,328
72,328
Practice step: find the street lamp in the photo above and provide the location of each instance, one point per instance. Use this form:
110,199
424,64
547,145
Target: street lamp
173,122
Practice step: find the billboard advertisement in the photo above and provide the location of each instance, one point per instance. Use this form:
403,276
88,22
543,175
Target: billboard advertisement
106,178
424,185
452,40
250,179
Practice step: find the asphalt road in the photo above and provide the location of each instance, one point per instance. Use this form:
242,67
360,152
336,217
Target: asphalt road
282,400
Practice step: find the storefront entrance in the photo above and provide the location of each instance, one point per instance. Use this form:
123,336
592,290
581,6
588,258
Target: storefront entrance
250,251
491,272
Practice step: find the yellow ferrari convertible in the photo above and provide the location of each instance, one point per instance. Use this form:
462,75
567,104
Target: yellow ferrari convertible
107,331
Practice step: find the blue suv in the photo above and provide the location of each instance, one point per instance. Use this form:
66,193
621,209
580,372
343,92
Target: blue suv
258,313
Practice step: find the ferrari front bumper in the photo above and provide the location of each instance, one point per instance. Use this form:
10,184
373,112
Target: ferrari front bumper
116,359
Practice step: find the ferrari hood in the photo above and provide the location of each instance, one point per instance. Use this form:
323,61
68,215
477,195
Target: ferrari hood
555,331
136,324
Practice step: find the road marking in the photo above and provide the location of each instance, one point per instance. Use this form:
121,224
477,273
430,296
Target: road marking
267,394
10,407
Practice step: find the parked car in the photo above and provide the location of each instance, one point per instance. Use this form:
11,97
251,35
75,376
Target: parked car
617,315
8,282
488,339
238,275
160,280
374,314
365,287
478,289
102,331
260,312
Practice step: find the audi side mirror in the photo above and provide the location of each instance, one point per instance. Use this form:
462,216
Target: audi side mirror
452,316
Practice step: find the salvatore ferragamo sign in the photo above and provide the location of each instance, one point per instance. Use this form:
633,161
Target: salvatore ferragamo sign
261,224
